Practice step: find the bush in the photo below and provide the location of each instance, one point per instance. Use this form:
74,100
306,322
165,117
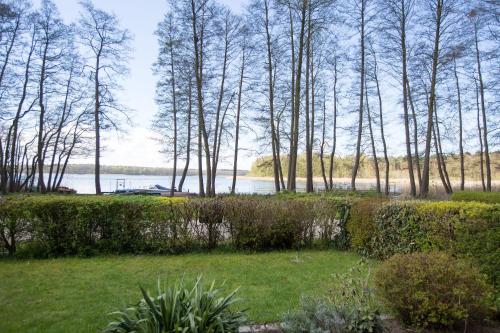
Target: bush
179,309
487,197
350,308
51,226
464,229
360,226
432,289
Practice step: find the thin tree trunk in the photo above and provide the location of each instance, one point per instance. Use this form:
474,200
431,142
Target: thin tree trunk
372,140
271,99
322,147
188,144
174,109
381,119
409,159
199,85
237,130
292,122
416,157
483,110
440,154
424,190
460,127
481,160
41,120
361,99
97,129
334,138
294,149
309,186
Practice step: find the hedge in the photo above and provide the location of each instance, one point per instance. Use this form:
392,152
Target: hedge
466,229
487,197
51,226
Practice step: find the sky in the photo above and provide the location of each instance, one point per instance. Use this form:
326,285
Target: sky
136,147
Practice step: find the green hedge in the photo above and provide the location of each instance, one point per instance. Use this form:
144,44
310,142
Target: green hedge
487,197
49,226
466,229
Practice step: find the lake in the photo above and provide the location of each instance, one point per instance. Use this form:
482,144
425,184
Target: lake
84,184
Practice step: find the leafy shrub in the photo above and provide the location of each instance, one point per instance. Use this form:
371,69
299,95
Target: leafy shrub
487,197
51,226
431,289
350,308
464,229
179,309
360,226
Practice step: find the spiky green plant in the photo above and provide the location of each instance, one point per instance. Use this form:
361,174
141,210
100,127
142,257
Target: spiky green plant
179,309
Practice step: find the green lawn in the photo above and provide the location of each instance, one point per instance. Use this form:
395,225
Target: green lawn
76,295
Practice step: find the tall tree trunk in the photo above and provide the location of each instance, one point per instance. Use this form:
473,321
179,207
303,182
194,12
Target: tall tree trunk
97,128
372,140
198,65
440,154
483,110
294,149
292,104
237,130
309,185
188,144
322,146
409,159
334,137
424,190
174,109
481,159
460,127
361,98
41,120
416,157
271,99
381,120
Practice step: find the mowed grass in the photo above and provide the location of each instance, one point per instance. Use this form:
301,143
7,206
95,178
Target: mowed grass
77,295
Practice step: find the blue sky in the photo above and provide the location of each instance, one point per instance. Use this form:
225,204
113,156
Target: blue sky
141,17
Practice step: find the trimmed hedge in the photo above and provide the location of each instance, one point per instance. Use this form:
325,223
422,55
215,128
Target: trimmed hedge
466,229
50,226
487,197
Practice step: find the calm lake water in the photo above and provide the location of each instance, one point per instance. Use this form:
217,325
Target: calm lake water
84,184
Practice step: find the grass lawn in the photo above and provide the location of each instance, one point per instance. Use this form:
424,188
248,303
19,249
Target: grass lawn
76,295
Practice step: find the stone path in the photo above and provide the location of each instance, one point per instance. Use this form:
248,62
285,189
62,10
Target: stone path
270,328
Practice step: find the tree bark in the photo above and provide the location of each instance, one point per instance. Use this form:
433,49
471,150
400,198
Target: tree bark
381,119
424,190
271,98
361,98
372,140
237,130
483,111
188,144
460,127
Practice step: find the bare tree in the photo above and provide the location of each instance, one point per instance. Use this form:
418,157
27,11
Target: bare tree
108,47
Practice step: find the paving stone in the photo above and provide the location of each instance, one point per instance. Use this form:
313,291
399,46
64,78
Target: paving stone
261,329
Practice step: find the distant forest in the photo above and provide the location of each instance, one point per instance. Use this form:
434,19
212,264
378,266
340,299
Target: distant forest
263,166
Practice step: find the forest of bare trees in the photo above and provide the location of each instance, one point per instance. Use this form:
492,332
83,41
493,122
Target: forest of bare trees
57,91
309,75
365,78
